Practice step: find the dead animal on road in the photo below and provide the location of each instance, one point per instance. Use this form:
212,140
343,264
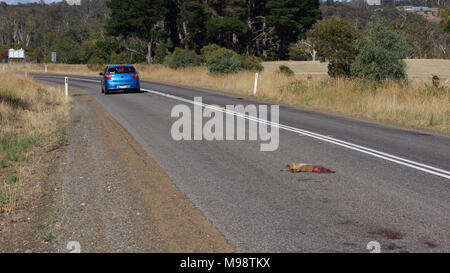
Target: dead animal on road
307,168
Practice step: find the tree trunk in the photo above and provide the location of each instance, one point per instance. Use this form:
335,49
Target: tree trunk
186,39
149,52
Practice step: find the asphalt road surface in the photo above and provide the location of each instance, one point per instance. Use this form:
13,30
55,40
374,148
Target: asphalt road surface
391,185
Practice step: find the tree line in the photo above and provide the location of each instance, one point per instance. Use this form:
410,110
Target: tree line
256,27
133,31
41,28
427,39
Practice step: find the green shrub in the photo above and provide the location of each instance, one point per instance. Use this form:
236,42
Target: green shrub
435,80
251,63
297,54
334,39
182,58
286,70
160,54
223,61
96,52
381,54
208,49
67,50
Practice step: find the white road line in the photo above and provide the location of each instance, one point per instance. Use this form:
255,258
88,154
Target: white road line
382,155
396,159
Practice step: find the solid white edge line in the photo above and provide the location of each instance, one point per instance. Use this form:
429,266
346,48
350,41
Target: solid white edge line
369,151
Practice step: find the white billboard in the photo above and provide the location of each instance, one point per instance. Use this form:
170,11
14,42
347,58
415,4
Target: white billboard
16,54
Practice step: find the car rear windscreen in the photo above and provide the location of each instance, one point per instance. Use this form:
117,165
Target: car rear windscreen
121,70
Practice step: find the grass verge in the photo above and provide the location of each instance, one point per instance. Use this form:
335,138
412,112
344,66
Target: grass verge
32,117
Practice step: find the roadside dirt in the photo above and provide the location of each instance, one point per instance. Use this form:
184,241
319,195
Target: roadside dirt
104,193
114,198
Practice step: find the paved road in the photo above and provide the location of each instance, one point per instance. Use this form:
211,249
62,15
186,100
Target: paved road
394,187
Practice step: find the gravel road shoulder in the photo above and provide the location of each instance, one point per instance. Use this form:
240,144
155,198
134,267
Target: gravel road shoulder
114,198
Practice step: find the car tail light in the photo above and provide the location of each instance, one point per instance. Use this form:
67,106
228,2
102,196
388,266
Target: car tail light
108,76
135,75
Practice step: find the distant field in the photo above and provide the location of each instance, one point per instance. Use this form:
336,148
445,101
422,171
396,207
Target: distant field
415,68
427,68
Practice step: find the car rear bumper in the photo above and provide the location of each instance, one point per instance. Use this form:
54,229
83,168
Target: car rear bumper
112,85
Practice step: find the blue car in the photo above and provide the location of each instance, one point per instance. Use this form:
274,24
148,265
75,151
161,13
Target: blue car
120,77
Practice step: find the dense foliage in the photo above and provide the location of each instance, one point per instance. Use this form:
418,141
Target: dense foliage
137,18
133,31
41,29
381,54
223,60
182,58
444,13
426,37
334,39
251,63
149,30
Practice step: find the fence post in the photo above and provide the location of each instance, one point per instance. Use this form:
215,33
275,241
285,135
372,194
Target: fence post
256,84
66,80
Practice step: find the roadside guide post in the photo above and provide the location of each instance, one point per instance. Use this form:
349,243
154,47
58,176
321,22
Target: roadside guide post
256,84
66,86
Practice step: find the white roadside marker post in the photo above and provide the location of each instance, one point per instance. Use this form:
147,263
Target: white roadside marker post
26,74
3,67
66,79
45,68
256,84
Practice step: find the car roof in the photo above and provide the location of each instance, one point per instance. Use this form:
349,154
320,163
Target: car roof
118,65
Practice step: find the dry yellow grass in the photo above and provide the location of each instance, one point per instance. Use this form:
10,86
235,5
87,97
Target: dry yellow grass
78,69
416,104
30,115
